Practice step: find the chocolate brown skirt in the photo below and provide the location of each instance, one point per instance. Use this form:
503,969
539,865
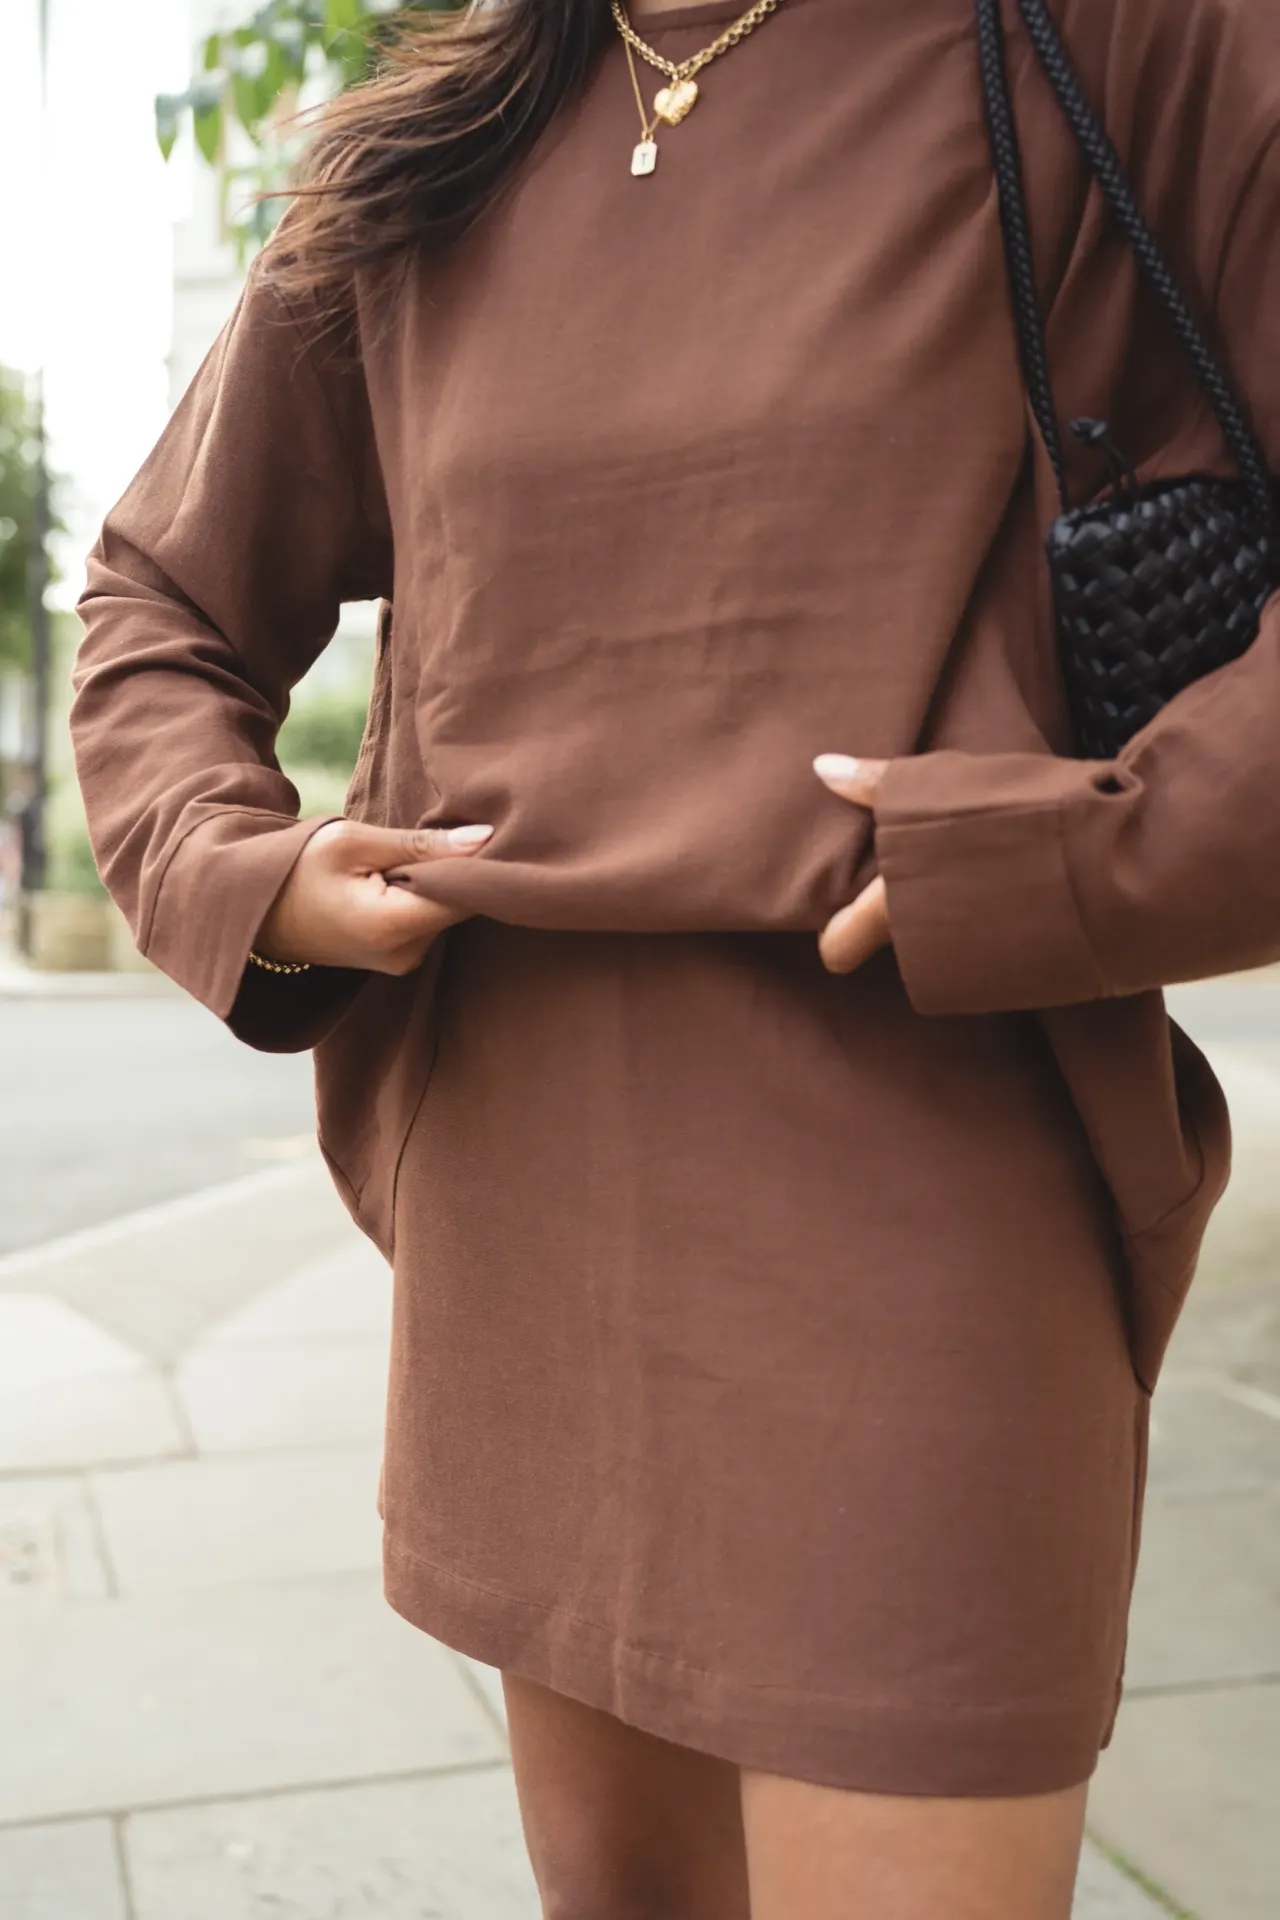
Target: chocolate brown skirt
778,1398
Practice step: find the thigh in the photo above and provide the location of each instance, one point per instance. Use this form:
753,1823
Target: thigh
833,1855
619,1824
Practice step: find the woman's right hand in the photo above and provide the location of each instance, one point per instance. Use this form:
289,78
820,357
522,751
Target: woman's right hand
337,909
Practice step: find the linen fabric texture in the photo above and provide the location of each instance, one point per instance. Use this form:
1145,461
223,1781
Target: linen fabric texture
771,1351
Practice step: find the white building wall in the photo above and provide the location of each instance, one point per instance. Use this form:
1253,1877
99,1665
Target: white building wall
206,282
207,276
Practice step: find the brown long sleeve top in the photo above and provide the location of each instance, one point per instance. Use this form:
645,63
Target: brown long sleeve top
674,483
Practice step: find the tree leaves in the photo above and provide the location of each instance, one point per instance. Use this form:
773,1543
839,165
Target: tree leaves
251,78
246,72
206,114
342,14
169,111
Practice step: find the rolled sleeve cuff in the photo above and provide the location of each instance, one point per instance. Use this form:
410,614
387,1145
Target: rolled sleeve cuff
981,904
216,891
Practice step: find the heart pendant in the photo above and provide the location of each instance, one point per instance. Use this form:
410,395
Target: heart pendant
673,103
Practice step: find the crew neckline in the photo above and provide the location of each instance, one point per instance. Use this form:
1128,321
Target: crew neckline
657,20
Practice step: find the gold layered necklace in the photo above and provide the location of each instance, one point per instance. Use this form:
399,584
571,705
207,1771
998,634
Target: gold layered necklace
672,103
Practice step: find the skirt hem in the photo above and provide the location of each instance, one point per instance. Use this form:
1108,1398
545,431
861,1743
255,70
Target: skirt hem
1006,1751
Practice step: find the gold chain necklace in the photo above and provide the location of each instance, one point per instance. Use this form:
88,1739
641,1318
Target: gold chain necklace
672,102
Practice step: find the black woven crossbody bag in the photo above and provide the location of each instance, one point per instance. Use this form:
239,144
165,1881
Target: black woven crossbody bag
1154,585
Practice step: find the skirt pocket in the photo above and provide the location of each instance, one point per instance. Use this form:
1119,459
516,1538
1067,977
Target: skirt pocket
372,1074
1162,1264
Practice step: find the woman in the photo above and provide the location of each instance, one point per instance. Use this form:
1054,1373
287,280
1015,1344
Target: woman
775,1320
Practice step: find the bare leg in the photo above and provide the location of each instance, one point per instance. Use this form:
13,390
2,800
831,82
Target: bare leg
832,1855
621,1825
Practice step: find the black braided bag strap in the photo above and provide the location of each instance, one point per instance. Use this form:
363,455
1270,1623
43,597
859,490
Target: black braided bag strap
1019,255
1104,163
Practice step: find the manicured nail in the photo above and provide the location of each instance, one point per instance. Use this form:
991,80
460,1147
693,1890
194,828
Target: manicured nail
467,838
836,766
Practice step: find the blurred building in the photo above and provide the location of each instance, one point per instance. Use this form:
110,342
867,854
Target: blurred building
206,273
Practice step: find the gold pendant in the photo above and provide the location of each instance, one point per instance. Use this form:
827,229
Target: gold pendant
645,158
674,102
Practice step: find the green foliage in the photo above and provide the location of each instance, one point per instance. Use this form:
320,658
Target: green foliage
19,456
324,730
251,77
71,863
319,790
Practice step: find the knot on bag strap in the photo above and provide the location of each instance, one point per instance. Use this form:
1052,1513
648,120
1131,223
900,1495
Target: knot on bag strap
1097,435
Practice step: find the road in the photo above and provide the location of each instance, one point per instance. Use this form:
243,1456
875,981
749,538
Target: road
111,1104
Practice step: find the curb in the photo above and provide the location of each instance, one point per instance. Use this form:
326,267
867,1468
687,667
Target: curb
202,1206
222,1245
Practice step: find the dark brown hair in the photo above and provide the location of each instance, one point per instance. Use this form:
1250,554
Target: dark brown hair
411,157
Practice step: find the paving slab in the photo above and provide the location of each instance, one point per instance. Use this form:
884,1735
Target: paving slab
1190,1788
1203,1443
436,1849
143,1701
160,1278
233,1518
1265,1375
1103,1892
50,1547
45,1343
80,1423
346,1294
71,1393
66,1871
1241,1243
1231,1321
1207,1600
489,1681
315,1393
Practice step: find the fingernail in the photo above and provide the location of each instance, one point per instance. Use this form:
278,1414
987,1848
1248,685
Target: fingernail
469,837
836,766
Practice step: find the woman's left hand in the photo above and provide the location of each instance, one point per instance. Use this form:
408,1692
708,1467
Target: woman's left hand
862,928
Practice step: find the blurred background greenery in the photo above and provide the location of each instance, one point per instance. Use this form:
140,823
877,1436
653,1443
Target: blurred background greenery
252,79
19,486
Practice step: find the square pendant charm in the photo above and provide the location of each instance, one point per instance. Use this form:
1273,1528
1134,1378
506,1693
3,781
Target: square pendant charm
645,158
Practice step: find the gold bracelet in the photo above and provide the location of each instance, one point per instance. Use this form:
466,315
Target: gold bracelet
279,966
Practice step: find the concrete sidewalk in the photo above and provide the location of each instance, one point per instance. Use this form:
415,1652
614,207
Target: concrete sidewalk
1191,1787
210,1713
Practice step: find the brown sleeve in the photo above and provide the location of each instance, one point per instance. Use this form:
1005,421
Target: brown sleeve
1021,881
215,583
